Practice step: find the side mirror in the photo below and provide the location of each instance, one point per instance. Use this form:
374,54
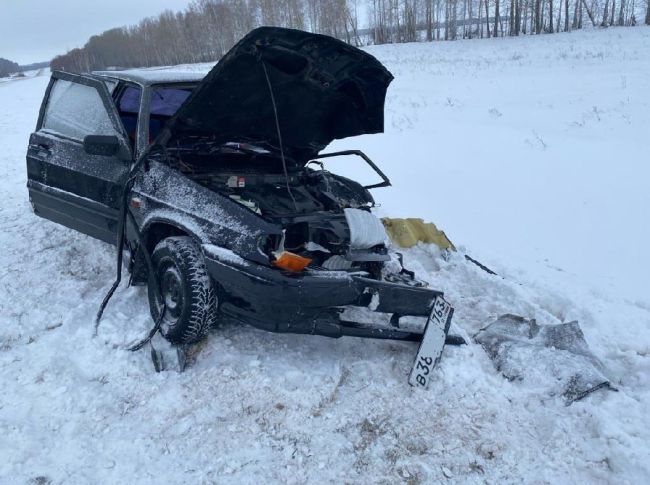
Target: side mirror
104,145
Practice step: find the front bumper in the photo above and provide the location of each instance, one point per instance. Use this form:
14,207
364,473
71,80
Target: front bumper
317,302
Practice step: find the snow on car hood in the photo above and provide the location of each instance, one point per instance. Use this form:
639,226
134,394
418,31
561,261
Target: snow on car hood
324,89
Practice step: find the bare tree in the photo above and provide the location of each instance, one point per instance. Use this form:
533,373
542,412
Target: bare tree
496,17
566,16
428,19
589,13
605,21
621,14
487,17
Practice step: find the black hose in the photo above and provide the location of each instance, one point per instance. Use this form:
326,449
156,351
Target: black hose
153,280
480,265
120,244
141,343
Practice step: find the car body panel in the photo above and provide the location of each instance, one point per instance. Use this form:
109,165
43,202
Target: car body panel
166,196
312,302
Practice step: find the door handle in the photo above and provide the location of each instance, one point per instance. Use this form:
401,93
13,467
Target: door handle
44,149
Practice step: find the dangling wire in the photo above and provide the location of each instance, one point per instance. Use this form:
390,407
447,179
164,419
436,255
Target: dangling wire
120,243
277,127
127,215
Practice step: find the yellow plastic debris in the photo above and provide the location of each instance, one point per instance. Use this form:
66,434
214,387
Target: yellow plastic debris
408,232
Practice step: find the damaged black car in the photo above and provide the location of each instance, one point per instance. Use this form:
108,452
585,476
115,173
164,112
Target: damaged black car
216,193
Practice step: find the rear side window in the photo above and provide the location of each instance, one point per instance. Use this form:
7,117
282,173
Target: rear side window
130,100
166,101
76,110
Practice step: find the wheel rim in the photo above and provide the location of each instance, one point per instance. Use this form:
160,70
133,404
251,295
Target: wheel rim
171,290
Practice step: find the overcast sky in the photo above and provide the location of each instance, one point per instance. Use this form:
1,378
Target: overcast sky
37,30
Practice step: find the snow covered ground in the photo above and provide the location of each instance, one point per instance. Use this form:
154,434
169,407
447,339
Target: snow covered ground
529,152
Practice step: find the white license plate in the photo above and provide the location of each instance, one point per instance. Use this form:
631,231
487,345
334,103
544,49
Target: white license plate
432,344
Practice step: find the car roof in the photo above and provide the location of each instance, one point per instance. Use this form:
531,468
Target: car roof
152,76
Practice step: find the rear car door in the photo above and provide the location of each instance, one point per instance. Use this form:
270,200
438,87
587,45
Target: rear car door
66,184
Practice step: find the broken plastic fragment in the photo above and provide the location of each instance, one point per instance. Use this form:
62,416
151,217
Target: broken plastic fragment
291,262
551,356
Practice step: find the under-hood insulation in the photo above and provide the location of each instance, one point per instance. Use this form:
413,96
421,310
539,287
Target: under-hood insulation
324,89
366,231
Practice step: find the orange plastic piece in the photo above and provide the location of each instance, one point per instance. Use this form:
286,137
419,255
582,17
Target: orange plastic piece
291,262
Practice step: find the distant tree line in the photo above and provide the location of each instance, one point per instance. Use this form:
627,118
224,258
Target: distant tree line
34,66
416,20
206,29
8,67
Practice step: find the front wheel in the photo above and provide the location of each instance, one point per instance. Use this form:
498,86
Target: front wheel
186,289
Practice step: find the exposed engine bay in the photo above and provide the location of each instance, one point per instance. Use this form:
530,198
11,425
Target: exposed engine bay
325,217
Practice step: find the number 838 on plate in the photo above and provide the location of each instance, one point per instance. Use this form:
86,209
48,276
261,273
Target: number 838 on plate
432,343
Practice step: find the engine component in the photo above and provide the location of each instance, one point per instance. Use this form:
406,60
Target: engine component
366,231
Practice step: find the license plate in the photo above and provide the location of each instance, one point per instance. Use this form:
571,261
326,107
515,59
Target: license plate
432,343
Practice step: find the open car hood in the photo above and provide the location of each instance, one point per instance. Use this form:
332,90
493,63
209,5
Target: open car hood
323,89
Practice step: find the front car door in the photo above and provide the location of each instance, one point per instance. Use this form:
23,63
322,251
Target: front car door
66,184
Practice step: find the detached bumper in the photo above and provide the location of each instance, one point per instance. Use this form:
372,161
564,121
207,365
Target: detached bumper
317,302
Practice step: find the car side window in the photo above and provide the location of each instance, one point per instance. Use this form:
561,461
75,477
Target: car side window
128,106
165,101
76,110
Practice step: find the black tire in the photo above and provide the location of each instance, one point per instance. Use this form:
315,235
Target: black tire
187,289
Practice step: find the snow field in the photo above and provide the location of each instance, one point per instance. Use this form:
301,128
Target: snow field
530,153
